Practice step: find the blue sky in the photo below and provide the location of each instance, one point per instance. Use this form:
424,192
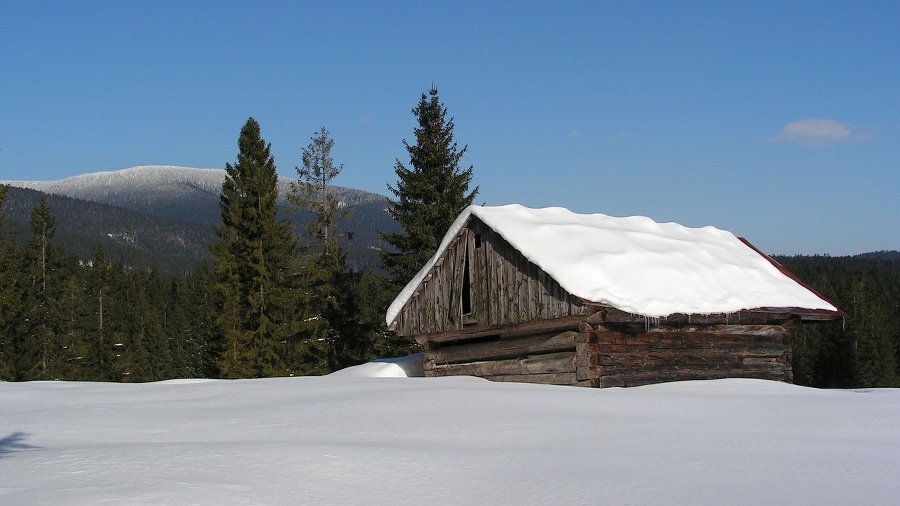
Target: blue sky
779,121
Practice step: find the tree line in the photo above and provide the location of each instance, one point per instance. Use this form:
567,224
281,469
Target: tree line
272,302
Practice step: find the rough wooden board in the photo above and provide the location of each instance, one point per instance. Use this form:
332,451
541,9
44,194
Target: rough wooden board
545,379
563,362
503,348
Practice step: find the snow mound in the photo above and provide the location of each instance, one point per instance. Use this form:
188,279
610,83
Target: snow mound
401,367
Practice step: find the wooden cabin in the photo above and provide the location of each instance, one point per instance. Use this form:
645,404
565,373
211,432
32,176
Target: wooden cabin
551,296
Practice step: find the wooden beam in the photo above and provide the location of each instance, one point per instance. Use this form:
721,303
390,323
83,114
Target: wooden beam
518,329
544,379
503,348
562,362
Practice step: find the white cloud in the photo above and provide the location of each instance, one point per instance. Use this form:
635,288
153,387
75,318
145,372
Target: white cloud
818,132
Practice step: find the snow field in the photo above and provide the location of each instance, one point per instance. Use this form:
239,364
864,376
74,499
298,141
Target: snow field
351,438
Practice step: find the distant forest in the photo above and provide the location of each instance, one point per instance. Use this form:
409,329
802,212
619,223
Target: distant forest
862,350
64,316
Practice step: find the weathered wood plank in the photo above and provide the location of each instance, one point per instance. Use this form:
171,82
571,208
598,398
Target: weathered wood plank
480,290
493,290
681,358
562,362
457,260
694,336
587,372
543,379
469,270
482,331
521,304
586,353
503,348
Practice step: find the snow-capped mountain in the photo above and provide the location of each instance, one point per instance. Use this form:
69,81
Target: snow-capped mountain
181,193
119,205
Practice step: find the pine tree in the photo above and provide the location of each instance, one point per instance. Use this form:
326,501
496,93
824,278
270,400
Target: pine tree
429,194
253,256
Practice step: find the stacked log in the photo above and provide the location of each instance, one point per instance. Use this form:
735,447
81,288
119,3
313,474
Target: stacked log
575,350
615,358
547,358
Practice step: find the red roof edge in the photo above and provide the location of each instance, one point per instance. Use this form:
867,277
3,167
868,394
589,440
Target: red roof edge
821,312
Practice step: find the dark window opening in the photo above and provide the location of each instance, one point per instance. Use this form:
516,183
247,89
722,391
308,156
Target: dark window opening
467,288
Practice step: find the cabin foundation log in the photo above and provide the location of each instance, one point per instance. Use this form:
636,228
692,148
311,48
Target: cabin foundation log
562,362
503,348
545,379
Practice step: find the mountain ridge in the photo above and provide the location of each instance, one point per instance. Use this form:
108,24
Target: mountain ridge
155,188
186,199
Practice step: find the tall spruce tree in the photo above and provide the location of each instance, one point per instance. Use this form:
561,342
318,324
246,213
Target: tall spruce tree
429,194
253,262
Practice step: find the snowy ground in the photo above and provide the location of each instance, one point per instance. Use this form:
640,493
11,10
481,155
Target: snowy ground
355,438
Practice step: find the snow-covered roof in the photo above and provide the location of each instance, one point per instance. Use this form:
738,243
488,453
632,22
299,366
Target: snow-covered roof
636,264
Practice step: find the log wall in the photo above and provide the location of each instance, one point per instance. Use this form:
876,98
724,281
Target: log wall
541,358
572,351
611,358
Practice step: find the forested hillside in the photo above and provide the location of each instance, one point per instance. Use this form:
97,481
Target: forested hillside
163,217
129,237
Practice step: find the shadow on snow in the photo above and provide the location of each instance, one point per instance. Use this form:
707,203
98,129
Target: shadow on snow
13,443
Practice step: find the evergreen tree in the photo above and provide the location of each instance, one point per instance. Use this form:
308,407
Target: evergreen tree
99,344
253,256
39,349
10,298
323,261
198,302
74,324
429,194
311,192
